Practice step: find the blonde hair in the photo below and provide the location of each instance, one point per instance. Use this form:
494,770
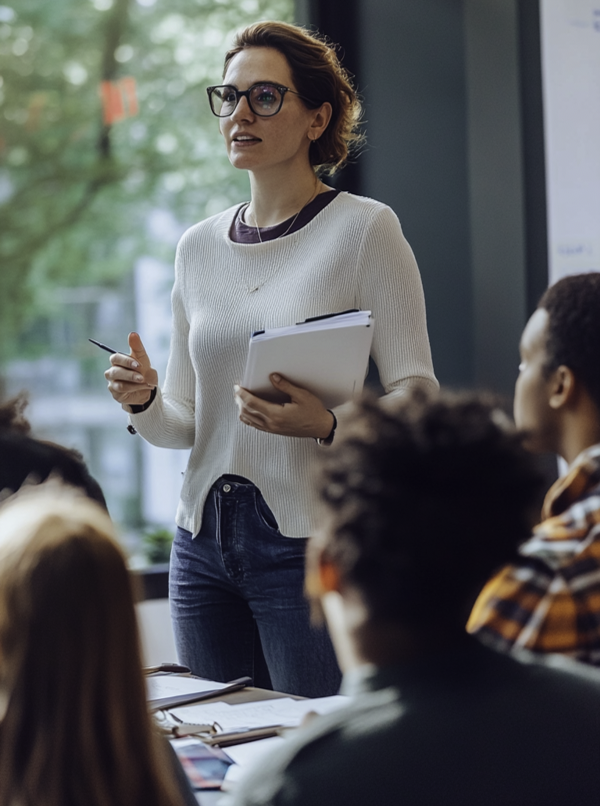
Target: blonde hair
319,78
76,727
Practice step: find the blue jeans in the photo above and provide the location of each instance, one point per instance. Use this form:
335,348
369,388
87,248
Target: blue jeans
237,598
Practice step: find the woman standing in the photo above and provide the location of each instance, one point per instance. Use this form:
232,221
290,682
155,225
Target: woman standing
288,114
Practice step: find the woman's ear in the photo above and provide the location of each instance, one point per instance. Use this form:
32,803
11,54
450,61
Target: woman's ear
320,120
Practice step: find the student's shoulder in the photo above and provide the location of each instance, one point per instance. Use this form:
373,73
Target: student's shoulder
567,675
297,773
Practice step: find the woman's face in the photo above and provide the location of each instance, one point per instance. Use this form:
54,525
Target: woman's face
257,143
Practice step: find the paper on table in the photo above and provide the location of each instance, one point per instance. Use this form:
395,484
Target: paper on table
323,705
247,715
282,711
248,755
170,685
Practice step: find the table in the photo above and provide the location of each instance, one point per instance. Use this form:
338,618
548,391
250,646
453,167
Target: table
249,694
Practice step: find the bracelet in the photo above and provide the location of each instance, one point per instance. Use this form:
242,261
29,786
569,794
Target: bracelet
139,409
329,438
144,406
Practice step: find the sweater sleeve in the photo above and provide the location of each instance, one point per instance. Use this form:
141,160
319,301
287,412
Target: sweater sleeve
389,284
170,421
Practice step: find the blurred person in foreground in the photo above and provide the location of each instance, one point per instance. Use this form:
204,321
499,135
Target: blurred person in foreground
74,724
548,600
422,500
24,459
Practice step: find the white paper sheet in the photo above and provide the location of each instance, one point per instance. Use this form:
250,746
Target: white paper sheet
282,711
169,685
329,357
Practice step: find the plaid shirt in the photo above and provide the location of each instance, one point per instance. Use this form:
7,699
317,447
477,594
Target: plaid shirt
550,600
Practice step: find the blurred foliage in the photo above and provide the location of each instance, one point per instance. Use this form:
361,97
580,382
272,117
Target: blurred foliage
75,193
157,545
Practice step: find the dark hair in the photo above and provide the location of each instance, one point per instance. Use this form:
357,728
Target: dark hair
23,458
573,306
12,417
424,499
76,727
318,77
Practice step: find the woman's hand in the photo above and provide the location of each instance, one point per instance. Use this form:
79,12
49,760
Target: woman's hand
131,378
303,416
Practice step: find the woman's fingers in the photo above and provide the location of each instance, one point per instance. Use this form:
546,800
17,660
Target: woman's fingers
128,391
304,416
249,408
127,384
140,356
138,352
131,378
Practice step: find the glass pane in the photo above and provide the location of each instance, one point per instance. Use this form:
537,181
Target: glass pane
109,151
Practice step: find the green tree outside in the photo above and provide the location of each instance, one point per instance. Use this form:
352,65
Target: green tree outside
76,192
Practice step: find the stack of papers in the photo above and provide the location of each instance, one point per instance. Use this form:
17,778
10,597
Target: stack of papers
164,690
242,717
283,711
327,355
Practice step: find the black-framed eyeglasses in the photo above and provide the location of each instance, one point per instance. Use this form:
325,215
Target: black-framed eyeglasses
264,99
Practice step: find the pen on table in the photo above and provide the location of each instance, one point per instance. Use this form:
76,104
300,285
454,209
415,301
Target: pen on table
110,350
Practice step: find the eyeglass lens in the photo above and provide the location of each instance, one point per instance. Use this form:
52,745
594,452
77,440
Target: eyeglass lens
264,99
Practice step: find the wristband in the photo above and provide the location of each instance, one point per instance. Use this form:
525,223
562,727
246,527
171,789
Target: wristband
140,409
329,438
144,406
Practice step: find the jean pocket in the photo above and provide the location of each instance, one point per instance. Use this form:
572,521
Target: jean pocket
264,512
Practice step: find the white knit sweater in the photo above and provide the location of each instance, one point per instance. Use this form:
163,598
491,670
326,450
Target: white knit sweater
351,255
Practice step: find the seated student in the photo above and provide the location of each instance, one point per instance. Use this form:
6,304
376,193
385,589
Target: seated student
74,724
422,500
25,459
548,600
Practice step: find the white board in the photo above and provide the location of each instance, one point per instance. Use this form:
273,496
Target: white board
570,34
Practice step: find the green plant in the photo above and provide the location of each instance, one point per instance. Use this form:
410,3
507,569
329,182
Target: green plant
157,545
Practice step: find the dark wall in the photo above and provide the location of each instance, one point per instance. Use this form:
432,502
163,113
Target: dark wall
412,78
442,82
340,22
496,189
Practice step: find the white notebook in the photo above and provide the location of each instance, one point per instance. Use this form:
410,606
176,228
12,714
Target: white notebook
327,355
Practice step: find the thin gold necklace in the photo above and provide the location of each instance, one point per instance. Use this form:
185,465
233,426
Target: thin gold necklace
294,219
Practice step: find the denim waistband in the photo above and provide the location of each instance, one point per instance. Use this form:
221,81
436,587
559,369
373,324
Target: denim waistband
229,483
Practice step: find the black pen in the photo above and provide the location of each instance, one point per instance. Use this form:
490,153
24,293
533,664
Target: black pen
105,347
110,350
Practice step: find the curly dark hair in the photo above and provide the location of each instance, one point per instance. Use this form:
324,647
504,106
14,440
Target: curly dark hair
23,459
423,500
318,77
573,306
12,416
